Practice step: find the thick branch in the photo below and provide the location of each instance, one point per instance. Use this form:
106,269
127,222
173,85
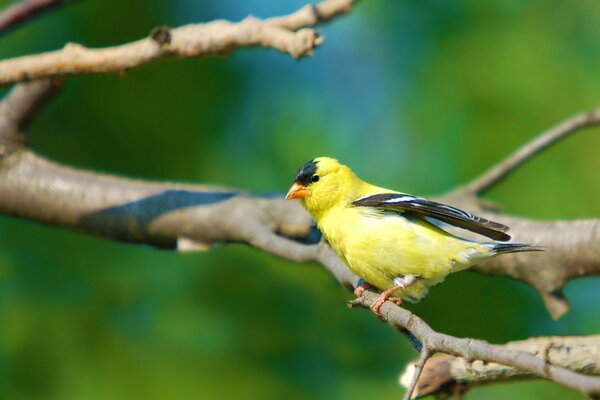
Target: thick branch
194,40
21,11
450,374
159,214
472,349
130,210
572,251
507,166
165,215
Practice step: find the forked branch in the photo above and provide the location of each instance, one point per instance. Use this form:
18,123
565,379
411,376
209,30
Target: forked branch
472,349
448,374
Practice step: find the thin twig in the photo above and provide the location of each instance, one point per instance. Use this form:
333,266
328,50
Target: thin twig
507,166
194,40
311,15
18,109
21,11
425,354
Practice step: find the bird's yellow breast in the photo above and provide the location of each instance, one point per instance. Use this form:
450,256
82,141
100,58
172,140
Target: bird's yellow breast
379,246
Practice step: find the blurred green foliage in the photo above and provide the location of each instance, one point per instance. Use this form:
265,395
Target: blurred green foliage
419,96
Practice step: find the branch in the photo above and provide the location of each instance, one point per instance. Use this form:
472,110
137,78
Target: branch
572,245
311,14
416,372
194,40
18,109
503,169
160,213
194,217
165,215
19,12
572,251
449,374
472,349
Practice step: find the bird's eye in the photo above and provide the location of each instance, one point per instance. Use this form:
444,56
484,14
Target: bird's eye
315,178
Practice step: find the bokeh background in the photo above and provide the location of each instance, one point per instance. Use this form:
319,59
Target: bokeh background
419,96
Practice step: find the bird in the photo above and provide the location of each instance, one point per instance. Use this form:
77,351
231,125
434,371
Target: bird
393,241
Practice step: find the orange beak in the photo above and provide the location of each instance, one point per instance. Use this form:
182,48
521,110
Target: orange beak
297,191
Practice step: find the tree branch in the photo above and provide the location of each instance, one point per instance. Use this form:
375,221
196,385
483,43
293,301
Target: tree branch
503,169
158,214
416,371
311,14
19,107
472,349
444,373
191,217
194,217
571,251
164,215
21,11
194,40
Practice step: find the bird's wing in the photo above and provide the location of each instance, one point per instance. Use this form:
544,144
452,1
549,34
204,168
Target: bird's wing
418,206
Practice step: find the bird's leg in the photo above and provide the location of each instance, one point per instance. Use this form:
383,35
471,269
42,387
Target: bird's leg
401,283
383,297
361,287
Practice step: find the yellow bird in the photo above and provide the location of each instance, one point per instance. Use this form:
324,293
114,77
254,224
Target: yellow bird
391,239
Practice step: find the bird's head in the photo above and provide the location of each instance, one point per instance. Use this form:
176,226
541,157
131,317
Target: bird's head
321,184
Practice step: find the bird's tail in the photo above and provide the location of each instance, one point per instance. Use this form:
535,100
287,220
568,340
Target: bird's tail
503,248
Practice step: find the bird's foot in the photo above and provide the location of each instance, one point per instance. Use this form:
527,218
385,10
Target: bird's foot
360,289
383,297
377,305
397,301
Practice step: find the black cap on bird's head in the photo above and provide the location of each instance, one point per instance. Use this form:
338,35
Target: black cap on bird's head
304,174
304,177
321,184
312,172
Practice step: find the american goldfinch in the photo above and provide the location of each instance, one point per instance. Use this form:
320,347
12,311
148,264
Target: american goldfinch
391,239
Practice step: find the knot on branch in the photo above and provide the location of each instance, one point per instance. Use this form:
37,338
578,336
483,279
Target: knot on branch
161,35
316,13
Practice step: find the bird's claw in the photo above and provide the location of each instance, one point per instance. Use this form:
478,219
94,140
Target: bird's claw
397,301
361,288
377,305
383,297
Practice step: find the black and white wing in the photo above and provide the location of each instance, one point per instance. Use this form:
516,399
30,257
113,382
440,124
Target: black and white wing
418,206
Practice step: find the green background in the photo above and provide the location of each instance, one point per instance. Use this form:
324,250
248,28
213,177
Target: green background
418,96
